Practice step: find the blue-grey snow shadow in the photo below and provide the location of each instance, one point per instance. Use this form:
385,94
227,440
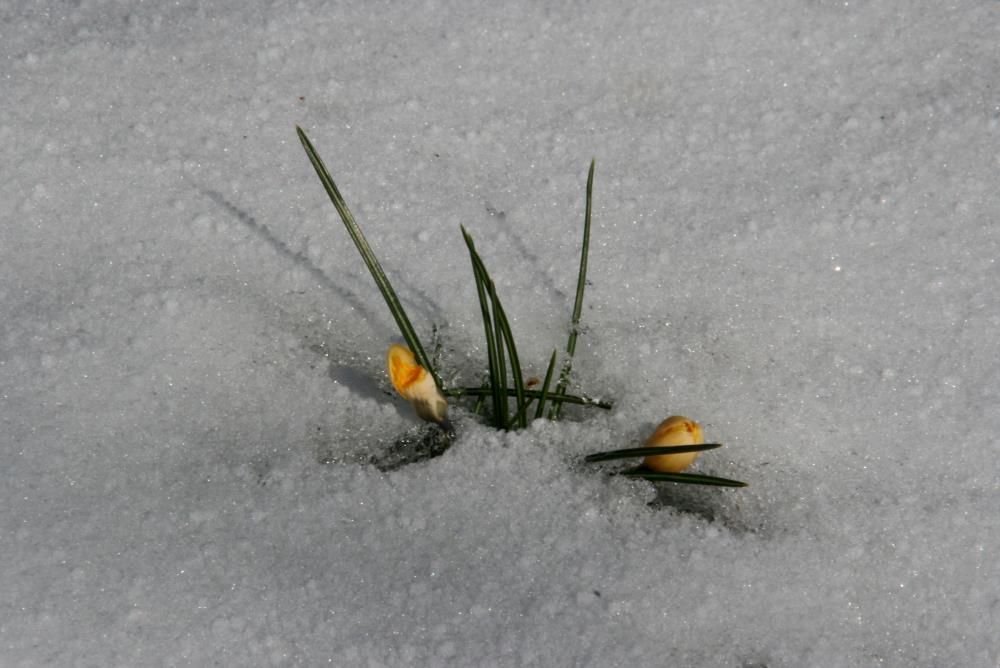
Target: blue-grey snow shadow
345,375
358,382
282,249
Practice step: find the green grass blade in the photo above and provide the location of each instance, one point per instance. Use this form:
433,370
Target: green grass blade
501,377
642,452
581,282
529,394
522,412
545,386
384,286
502,333
515,363
499,417
481,400
686,478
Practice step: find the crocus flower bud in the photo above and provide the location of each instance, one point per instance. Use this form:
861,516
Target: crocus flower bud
416,385
675,430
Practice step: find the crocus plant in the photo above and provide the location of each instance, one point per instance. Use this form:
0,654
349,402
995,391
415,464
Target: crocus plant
671,448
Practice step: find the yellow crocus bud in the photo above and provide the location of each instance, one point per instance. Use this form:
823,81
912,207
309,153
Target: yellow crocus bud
416,385
675,430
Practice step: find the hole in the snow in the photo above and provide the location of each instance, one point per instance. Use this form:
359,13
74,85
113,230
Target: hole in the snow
416,445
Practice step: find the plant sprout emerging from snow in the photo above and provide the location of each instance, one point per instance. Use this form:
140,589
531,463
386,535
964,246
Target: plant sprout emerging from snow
669,450
416,384
675,430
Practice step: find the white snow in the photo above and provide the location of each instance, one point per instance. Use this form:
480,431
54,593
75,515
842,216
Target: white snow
796,233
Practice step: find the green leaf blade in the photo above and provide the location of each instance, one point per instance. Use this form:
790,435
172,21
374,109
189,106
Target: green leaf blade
494,389
533,394
629,453
581,282
684,478
501,377
364,248
515,362
544,394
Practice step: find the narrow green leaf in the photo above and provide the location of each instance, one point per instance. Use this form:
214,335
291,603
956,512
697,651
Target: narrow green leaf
523,410
502,333
531,394
499,417
481,400
581,282
515,362
642,452
686,478
501,360
381,281
545,386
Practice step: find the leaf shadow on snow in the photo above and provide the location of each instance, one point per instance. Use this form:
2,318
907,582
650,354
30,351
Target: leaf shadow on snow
526,253
415,445
263,232
723,507
429,306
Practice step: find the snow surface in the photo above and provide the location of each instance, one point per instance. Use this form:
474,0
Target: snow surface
796,232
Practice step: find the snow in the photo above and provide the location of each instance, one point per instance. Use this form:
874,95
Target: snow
795,242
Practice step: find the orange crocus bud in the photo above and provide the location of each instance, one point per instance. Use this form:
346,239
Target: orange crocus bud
675,430
416,385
